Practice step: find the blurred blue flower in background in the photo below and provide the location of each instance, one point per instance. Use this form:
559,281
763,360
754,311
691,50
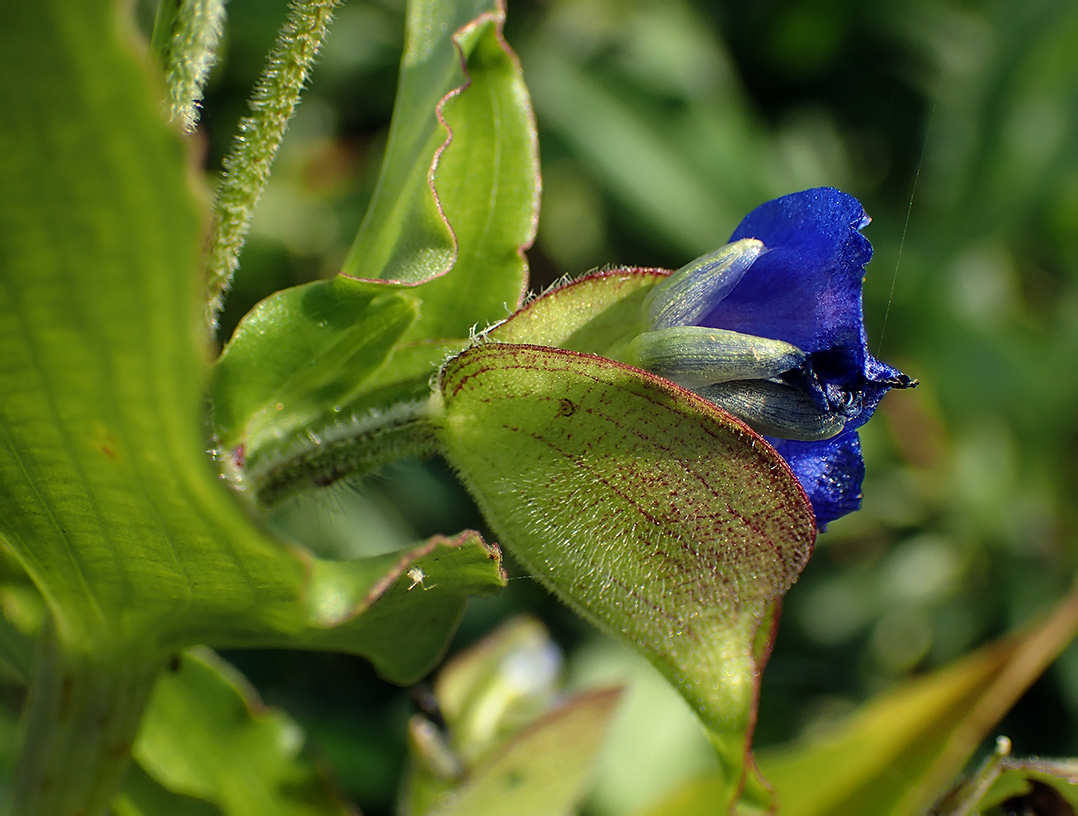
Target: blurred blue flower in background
770,327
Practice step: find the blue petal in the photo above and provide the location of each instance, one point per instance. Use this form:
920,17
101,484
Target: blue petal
806,288
831,472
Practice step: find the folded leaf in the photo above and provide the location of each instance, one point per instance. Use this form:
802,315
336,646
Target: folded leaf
647,509
399,609
439,252
599,313
458,195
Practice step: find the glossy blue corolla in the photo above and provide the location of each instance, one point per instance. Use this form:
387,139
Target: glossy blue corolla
770,327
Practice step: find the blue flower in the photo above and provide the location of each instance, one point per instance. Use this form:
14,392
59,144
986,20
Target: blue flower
770,327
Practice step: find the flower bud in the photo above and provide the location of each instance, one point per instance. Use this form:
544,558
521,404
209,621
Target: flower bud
776,409
694,356
695,289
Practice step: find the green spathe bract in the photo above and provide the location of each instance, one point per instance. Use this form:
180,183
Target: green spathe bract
651,512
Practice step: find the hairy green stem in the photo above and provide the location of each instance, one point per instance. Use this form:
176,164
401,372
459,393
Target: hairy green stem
185,37
248,164
349,449
81,718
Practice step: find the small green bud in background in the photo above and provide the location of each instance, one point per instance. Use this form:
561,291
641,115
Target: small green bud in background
498,736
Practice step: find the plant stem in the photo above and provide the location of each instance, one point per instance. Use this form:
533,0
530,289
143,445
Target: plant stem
185,37
247,166
80,721
348,449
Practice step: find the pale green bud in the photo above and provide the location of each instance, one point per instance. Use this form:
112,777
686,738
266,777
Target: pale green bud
775,409
693,356
694,290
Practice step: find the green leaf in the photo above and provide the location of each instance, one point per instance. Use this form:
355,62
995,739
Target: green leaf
458,196
647,509
110,503
207,736
142,795
297,358
505,747
1038,785
99,240
400,608
1005,785
898,752
305,358
544,770
377,607
600,313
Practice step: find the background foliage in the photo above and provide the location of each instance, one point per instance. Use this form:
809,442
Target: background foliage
661,123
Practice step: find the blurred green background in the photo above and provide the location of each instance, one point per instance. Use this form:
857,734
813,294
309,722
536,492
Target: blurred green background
661,124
